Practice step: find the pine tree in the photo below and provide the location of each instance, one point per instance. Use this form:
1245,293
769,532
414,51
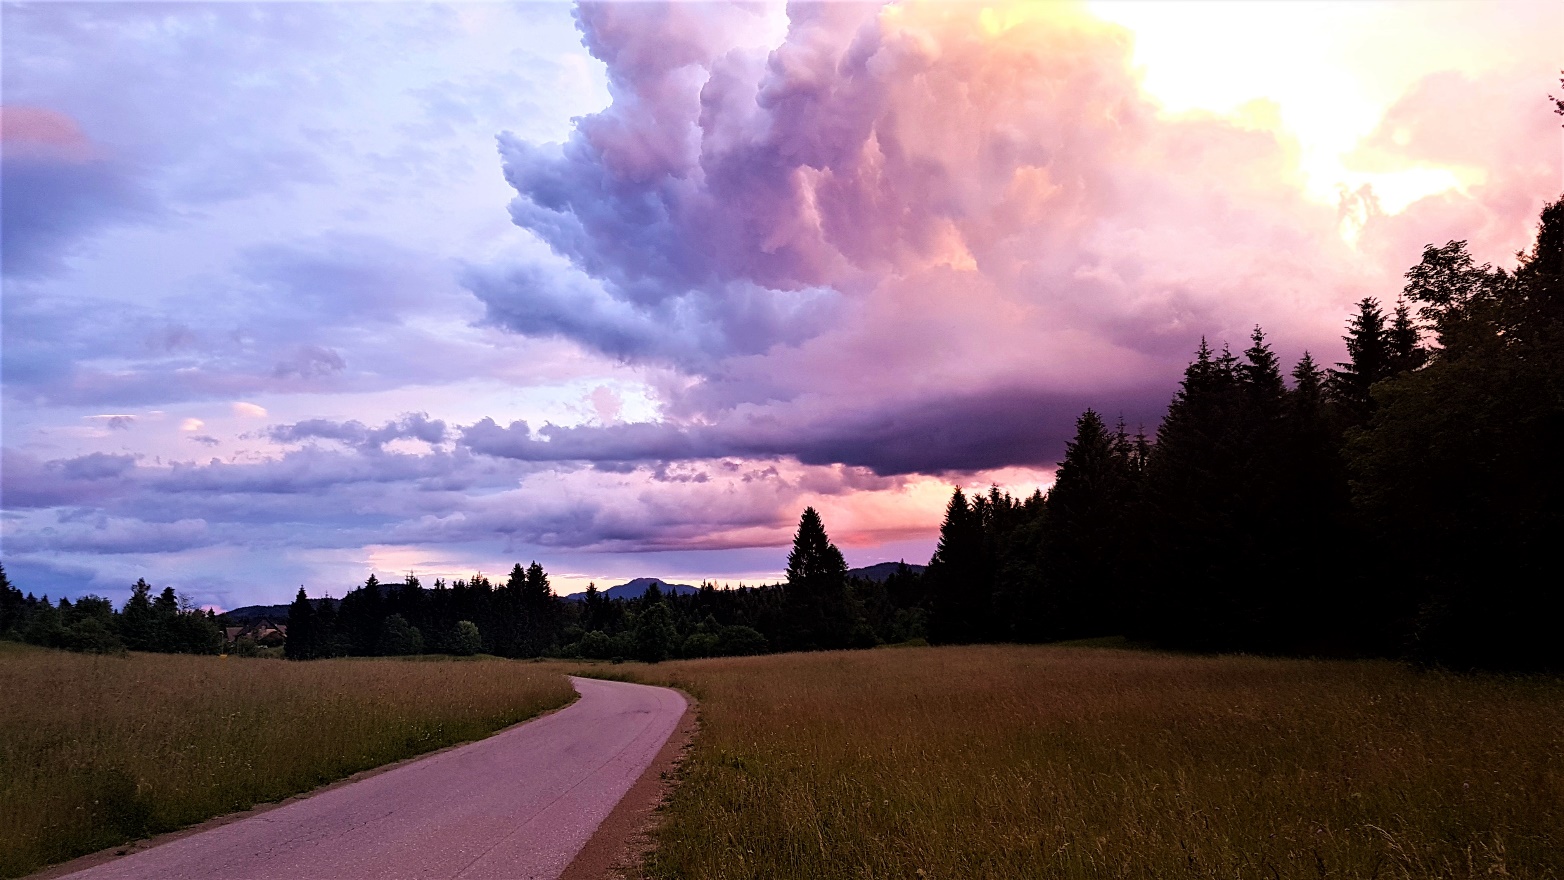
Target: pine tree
1406,352
303,640
959,588
138,625
1084,531
1369,359
1261,371
1195,499
592,608
815,595
13,606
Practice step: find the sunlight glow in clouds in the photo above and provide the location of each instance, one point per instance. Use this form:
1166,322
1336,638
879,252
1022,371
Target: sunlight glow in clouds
1321,71
276,311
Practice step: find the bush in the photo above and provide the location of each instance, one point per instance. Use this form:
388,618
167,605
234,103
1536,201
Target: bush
465,639
399,638
596,645
741,641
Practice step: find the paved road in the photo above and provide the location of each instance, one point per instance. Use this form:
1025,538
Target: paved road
515,806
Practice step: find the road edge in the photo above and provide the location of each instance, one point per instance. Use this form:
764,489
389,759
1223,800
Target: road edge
619,846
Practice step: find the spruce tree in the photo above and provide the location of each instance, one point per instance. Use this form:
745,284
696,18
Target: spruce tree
1406,351
1197,491
303,640
138,625
1084,531
959,588
13,606
815,595
1370,358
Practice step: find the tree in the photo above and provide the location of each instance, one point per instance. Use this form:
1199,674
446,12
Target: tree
1458,472
399,638
655,635
465,639
1406,351
816,592
1084,530
303,640
13,606
137,621
959,586
1369,359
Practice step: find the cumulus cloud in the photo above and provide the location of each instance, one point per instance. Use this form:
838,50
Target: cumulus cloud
922,236
1488,127
901,237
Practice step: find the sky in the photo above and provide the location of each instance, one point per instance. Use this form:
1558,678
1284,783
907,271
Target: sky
298,292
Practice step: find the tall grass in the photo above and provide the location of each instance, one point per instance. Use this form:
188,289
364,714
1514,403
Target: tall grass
96,751
1012,762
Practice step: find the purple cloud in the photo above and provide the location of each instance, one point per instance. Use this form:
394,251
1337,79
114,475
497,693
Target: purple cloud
411,426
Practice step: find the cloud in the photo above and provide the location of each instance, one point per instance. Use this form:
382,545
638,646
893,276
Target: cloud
606,404
249,410
28,482
411,426
896,237
1488,127
97,466
116,421
114,535
961,433
56,187
919,237
309,362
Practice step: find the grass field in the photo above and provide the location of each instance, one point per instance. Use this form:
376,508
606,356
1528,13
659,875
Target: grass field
1020,762
95,751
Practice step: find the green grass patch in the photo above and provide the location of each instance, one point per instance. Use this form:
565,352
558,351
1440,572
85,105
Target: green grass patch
1004,762
96,751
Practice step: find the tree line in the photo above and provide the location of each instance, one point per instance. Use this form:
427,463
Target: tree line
1403,503
168,623
819,607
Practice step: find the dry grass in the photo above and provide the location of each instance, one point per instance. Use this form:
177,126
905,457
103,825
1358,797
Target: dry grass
1012,762
95,751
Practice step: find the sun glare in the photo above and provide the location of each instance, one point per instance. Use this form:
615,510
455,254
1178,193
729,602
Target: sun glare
1298,61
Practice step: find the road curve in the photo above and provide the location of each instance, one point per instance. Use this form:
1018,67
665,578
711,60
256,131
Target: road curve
516,806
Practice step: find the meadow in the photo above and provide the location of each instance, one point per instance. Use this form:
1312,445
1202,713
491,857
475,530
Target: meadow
96,751
1008,762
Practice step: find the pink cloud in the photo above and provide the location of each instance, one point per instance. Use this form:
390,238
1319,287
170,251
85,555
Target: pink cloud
38,132
987,211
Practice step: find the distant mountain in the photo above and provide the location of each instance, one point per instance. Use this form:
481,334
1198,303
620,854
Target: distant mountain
634,589
274,613
882,570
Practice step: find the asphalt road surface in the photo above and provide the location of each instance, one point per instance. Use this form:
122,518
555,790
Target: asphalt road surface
516,806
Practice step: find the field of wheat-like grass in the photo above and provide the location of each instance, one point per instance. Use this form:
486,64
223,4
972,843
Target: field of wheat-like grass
1009,762
96,751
